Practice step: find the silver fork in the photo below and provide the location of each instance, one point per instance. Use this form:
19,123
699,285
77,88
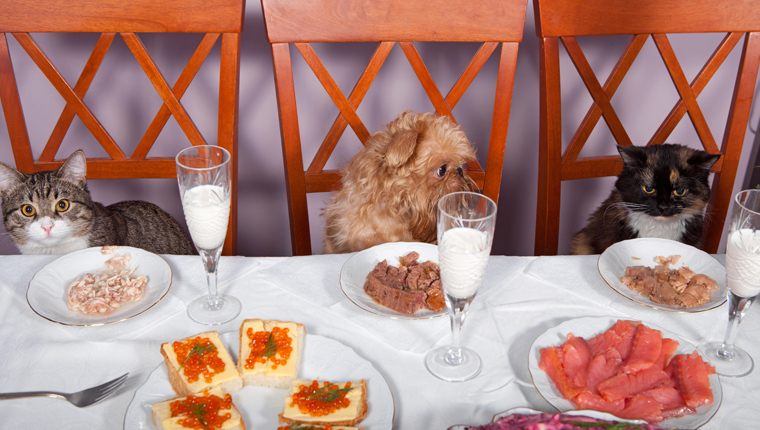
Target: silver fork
80,399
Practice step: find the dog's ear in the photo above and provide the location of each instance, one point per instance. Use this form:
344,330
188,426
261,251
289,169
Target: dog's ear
401,148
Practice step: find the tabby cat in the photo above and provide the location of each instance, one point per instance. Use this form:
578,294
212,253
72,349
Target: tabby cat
661,192
52,213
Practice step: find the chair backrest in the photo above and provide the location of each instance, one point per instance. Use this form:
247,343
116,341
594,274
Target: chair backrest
217,20
564,20
497,24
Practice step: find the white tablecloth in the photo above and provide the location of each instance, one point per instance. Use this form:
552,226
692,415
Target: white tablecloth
521,297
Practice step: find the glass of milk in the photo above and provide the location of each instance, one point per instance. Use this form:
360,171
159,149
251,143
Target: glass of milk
743,281
203,174
465,232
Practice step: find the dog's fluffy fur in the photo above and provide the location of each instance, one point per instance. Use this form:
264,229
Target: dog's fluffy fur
391,188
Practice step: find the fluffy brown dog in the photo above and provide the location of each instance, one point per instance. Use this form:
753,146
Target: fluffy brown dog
392,187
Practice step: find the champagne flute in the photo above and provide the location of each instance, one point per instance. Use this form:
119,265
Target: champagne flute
203,174
743,281
465,232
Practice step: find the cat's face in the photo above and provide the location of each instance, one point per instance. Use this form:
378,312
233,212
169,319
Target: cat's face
665,180
47,212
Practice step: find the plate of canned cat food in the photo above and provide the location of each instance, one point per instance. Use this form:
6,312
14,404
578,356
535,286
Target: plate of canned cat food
398,280
99,285
664,274
269,374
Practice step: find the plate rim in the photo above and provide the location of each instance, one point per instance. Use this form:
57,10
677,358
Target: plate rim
161,261
669,333
382,377
388,313
526,410
649,303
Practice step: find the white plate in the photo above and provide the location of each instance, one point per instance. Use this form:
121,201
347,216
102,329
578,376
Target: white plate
616,258
354,274
323,358
47,294
528,411
589,327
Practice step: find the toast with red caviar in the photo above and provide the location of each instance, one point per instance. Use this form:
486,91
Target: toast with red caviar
270,352
210,409
325,403
200,362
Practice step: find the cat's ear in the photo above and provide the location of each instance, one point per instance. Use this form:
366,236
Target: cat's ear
633,156
703,159
10,178
74,169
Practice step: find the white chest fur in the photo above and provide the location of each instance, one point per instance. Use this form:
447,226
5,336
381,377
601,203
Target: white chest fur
648,226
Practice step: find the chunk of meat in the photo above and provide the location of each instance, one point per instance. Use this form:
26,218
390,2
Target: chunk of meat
407,288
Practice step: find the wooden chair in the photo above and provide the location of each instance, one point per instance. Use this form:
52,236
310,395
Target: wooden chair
218,20
497,24
563,20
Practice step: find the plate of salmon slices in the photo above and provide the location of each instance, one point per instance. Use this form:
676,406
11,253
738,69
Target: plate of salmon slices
664,274
630,369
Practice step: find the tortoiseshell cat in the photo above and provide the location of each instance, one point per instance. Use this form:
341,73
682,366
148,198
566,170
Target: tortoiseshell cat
52,213
661,192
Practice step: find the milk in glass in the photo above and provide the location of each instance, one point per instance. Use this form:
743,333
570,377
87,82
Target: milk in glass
207,211
463,255
743,262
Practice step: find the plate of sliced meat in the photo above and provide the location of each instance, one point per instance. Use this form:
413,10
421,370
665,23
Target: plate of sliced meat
631,369
396,280
664,274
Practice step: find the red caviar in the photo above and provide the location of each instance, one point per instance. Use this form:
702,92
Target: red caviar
202,412
198,356
274,346
319,401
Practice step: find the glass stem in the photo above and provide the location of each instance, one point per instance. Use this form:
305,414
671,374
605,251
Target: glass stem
737,307
210,262
455,352
458,311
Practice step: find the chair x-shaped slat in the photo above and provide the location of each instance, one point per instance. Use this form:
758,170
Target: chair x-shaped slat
347,106
602,95
76,106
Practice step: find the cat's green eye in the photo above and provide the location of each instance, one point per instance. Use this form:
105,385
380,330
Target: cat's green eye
647,189
62,205
679,191
28,210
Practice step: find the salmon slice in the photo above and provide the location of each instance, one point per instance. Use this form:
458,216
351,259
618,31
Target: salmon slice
551,363
576,357
625,329
624,385
646,348
642,407
669,347
604,341
693,379
587,400
602,367
669,397
673,404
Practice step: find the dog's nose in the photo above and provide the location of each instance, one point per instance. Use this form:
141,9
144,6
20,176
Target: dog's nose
460,171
